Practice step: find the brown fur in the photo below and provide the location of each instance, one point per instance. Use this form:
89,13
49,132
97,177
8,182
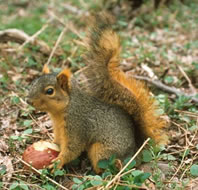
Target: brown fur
110,84
64,79
57,115
81,122
55,105
117,113
95,153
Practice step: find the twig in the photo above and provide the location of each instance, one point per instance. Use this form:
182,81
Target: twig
187,148
51,14
75,10
180,166
188,79
150,72
185,130
56,45
13,35
19,36
38,172
48,134
179,151
31,38
166,88
120,172
127,172
187,168
190,114
71,27
75,31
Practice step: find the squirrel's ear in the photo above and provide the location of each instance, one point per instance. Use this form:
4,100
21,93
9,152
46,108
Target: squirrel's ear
63,79
45,69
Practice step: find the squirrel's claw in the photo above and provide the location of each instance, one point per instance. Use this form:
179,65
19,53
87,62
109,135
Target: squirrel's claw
60,162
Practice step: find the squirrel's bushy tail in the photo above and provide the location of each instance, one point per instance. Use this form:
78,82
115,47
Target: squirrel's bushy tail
107,82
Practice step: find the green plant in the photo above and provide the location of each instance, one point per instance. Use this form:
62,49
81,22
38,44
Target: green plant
19,185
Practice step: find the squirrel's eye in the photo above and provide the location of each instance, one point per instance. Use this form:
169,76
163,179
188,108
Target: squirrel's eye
49,91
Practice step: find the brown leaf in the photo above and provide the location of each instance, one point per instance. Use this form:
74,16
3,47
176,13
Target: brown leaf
7,162
3,146
192,185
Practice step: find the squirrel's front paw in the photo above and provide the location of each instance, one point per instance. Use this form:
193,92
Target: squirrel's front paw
60,161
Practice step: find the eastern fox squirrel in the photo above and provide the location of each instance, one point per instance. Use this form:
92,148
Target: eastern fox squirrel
113,117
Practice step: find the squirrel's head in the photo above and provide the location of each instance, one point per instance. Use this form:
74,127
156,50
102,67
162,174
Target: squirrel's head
50,92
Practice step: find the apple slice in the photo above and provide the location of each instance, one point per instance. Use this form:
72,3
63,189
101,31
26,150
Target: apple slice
40,154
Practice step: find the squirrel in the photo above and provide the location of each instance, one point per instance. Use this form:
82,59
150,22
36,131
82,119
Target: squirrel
115,114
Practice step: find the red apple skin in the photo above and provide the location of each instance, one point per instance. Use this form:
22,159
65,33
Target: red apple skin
40,157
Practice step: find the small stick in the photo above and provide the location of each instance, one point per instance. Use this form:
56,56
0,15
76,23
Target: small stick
181,164
191,114
167,88
20,37
71,27
120,172
74,10
188,79
31,38
56,45
51,14
187,168
38,172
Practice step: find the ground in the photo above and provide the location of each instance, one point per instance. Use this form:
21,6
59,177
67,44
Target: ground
160,46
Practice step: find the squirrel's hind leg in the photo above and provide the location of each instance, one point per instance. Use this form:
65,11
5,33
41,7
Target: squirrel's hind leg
97,152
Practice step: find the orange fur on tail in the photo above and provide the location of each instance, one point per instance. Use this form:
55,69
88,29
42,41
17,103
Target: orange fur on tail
152,124
108,83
